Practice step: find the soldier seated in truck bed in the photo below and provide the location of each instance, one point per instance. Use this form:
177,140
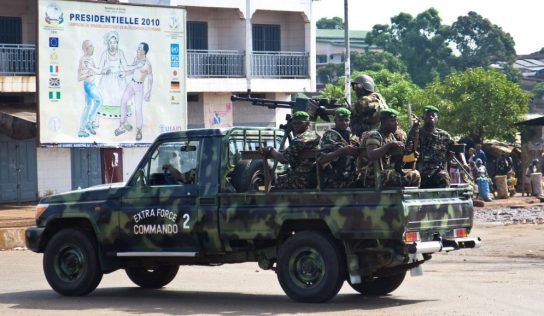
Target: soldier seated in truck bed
302,171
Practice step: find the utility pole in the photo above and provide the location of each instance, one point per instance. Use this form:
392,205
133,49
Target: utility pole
347,84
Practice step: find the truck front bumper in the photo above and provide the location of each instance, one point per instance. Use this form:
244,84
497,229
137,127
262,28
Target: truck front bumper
443,245
33,237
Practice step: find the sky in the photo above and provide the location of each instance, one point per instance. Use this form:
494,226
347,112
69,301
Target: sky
520,18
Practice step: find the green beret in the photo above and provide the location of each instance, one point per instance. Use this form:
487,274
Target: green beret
387,113
301,115
342,112
430,108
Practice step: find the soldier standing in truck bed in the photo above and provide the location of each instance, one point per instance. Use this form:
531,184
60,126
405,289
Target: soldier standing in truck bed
366,110
380,148
302,169
433,150
338,151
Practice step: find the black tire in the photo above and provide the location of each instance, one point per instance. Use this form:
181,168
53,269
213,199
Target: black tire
248,175
70,263
310,267
152,278
379,285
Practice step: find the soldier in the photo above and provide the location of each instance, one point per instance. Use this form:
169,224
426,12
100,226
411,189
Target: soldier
433,150
338,151
366,110
377,159
301,173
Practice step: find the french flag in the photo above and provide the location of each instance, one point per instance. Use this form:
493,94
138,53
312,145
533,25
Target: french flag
54,69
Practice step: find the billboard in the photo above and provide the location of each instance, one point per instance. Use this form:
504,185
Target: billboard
110,74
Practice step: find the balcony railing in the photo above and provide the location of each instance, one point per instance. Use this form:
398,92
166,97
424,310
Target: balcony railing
279,64
20,59
17,59
215,63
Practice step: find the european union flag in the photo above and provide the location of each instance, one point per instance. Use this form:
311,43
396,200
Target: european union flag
53,42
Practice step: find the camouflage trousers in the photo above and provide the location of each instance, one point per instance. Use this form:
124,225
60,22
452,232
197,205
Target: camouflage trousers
296,180
390,178
435,178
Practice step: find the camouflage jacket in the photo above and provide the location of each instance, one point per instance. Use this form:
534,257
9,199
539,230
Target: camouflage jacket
339,173
301,142
433,148
366,168
365,113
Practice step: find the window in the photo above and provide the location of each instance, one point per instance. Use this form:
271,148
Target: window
266,37
173,163
321,59
11,30
197,35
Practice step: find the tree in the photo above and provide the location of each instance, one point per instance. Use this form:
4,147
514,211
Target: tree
330,72
334,23
419,42
478,103
480,42
377,61
538,90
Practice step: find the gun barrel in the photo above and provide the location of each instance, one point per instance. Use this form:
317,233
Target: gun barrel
272,104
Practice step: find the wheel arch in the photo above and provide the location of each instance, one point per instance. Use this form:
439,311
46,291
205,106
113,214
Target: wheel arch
56,225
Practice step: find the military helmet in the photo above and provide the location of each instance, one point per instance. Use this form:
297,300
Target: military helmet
366,81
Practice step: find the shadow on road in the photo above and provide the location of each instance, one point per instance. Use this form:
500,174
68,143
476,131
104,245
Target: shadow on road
165,301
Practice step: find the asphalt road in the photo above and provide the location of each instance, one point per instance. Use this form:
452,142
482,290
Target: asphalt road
485,281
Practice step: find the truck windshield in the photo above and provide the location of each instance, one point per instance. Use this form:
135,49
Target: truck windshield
173,163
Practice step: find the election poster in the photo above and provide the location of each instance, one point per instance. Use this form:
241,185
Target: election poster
110,74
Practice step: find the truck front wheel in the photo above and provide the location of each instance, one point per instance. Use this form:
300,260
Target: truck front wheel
310,267
154,278
70,263
379,285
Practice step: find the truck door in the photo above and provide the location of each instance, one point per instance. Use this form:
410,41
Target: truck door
159,210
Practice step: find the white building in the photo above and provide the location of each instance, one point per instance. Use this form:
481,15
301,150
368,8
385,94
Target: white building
232,46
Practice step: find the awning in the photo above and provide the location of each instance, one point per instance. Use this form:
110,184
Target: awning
532,122
18,121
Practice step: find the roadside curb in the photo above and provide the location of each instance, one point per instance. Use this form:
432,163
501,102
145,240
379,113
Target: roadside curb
11,238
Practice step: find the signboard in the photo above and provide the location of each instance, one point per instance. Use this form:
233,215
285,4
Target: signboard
110,74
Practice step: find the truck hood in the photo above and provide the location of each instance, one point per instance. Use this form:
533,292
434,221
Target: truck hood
97,192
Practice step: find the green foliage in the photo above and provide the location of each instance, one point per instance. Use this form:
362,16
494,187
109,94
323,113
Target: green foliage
478,103
419,42
480,42
376,61
334,23
538,89
423,44
330,72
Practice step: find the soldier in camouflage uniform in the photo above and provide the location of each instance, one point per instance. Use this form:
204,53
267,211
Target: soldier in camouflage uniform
433,150
338,151
380,151
302,169
366,110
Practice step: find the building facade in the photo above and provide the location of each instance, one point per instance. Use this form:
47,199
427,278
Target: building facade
232,47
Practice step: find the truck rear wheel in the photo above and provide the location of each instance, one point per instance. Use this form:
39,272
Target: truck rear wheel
70,263
379,285
310,267
154,278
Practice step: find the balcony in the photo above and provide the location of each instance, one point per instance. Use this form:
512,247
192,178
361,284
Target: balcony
279,65
20,59
215,63
17,59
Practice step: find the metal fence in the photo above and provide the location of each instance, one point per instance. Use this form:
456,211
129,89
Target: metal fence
215,63
17,59
279,64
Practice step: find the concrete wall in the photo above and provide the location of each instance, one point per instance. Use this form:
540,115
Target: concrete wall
54,170
224,27
131,158
292,35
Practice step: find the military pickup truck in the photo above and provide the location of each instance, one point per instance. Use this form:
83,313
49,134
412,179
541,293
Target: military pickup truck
218,211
